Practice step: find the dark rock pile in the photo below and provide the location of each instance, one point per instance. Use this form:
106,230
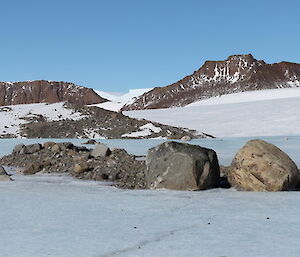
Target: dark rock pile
115,165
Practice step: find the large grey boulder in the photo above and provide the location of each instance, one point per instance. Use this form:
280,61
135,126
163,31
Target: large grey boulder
181,166
3,175
100,150
260,166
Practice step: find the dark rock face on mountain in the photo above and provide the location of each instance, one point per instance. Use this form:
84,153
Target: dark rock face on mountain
42,91
236,74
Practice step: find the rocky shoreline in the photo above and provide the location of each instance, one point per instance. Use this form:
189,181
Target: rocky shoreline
115,165
258,166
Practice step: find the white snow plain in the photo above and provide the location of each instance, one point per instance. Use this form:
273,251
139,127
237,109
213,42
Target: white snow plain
56,215
258,113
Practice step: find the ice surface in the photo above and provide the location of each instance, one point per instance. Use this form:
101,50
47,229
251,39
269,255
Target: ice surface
224,147
63,217
56,215
261,113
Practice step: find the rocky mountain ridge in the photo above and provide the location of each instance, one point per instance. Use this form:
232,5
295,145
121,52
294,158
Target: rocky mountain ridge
66,120
236,74
43,91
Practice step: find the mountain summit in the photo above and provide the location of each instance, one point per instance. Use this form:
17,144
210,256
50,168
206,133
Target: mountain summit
237,73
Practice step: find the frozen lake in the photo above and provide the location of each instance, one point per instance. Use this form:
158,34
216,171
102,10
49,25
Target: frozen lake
54,215
225,147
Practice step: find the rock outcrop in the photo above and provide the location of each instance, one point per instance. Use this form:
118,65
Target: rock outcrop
236,74
181,166
100,123
260,166
42,91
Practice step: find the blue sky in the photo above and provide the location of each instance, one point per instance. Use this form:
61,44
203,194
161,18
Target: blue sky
116,45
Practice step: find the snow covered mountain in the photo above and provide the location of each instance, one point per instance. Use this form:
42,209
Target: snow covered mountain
238,73
44,91
272,112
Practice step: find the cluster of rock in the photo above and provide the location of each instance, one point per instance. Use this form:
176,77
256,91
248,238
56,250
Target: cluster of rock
100,163
258,166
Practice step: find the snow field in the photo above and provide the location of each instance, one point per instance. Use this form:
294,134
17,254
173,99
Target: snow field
260,113
250,96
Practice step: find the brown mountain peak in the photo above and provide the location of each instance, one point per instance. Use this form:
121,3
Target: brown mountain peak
238,73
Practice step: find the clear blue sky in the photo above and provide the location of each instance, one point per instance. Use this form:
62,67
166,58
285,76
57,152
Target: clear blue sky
115,45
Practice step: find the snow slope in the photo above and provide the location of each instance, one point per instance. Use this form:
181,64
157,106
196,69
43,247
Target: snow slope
118,100
258,113
12,116
251,96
